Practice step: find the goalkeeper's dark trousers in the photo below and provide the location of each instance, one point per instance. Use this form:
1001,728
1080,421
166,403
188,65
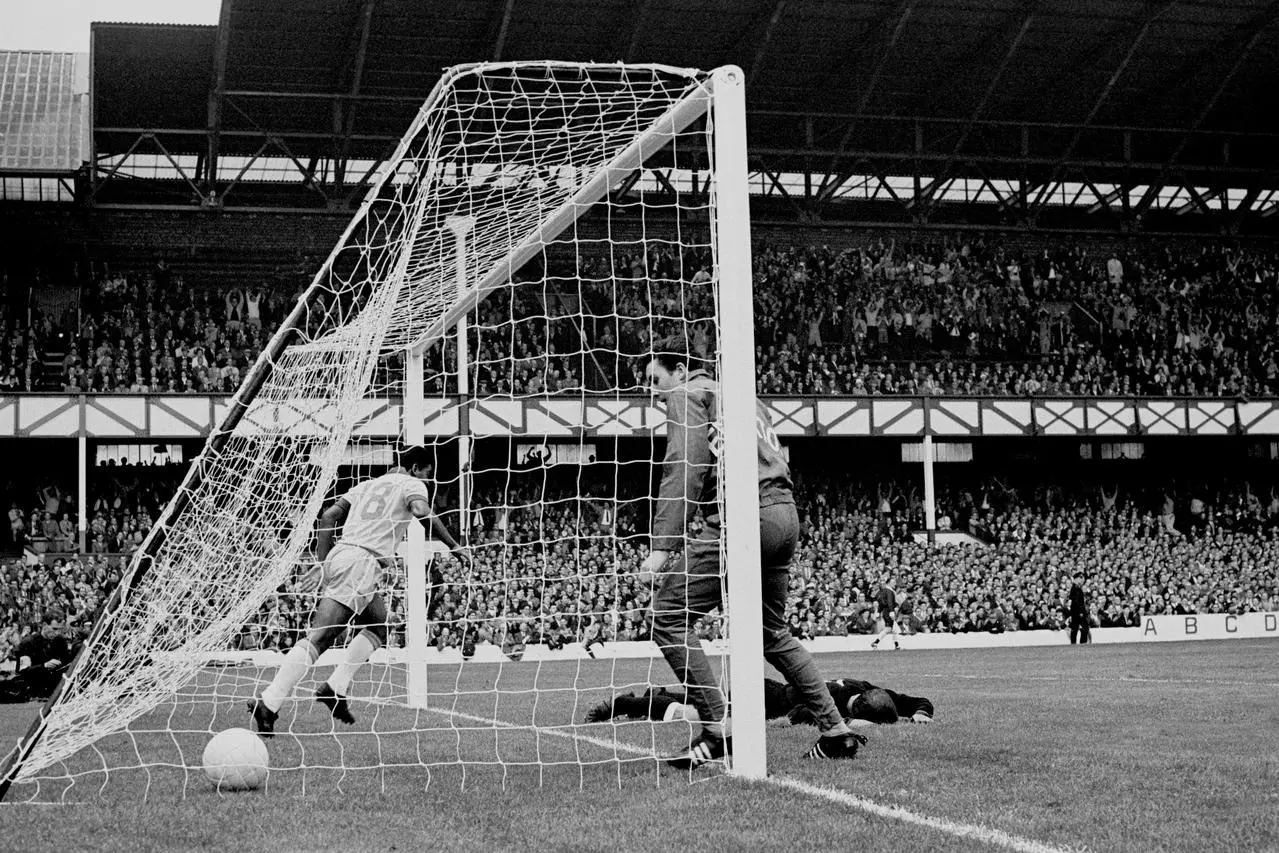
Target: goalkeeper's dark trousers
694,588
1079,628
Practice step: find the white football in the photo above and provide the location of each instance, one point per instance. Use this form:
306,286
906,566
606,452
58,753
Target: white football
236,760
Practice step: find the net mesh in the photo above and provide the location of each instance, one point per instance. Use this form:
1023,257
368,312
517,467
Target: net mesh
521,177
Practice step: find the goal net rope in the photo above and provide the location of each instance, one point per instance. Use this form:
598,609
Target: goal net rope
577,251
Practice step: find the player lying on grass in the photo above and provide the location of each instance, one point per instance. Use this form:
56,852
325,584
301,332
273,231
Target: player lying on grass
691,578
373,518
859,701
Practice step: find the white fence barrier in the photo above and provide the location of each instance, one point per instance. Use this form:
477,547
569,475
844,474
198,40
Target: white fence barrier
1200,626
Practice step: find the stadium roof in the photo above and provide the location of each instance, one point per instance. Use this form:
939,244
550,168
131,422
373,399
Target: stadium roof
1130,90
44,115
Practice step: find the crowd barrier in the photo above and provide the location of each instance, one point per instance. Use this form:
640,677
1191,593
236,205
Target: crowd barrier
1199,626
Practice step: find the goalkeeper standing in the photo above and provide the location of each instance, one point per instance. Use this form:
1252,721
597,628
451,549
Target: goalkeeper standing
690,584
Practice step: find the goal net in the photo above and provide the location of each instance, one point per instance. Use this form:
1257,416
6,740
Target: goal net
495,298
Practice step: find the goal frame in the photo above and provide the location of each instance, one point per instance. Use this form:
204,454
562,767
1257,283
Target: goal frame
722,100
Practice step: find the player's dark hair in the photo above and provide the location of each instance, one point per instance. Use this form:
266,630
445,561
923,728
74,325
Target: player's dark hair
417,456
674,350
875,706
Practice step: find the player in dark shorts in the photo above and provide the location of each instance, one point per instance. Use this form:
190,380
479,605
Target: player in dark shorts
886,600
859,701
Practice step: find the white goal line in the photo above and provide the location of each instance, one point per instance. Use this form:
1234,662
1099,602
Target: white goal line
957,829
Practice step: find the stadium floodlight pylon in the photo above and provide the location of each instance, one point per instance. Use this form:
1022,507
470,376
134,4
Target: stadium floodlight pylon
458,236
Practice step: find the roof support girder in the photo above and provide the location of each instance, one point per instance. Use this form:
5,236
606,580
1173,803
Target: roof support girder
761,46
1154,10
638,10
344,109
1028,12
502,29
217,95
1178,78
1240,59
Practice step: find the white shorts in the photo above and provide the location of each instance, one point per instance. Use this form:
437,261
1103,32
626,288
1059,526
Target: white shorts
351,577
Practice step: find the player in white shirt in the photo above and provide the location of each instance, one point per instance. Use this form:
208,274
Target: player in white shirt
373,517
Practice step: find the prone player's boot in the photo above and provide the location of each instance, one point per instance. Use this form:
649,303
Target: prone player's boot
707,747
329,698
263,717
842,745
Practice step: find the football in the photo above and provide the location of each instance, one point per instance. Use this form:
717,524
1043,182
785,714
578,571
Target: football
236,760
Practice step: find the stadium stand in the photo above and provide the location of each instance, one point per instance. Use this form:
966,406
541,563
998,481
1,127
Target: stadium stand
963,315
1148,547
977,212
947,315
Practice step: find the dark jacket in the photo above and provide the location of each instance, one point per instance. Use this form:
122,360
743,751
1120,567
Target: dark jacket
1078,606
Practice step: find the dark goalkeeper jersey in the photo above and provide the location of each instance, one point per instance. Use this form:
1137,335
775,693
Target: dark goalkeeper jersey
689,474
844,689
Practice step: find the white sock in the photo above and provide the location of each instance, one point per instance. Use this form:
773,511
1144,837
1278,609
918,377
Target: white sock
357,654
299,659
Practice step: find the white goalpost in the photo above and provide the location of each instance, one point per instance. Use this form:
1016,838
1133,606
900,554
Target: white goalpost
513,251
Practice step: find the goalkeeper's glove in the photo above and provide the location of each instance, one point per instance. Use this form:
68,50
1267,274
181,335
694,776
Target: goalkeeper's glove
600,713
921,717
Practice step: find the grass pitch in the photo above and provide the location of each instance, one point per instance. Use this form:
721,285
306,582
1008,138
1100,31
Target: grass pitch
1171,746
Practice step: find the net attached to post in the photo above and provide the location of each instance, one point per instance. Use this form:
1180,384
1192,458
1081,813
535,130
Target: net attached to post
588,194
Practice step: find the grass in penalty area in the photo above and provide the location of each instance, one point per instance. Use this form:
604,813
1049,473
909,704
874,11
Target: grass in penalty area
1160,746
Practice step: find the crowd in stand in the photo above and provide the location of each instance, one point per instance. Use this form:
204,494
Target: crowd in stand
148,331
975,317
1150,550
945,316
62,591
941,316
45,520
551,566
124,502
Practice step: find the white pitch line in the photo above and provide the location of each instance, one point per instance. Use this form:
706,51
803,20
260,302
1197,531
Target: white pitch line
976,832
607,744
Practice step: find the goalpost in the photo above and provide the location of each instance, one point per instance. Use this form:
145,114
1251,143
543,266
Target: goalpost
502,259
